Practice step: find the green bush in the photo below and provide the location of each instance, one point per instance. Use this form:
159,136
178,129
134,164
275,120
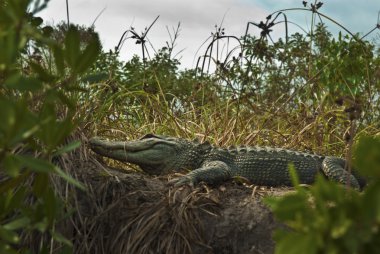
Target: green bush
331,218
37,115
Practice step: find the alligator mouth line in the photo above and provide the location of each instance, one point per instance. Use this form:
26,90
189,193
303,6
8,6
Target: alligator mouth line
140,152
118,145
116,150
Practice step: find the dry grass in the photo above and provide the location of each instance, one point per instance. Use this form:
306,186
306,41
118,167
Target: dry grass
169,225
128,213
228,123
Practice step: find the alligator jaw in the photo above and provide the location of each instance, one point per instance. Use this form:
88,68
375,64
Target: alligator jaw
115,150
152,155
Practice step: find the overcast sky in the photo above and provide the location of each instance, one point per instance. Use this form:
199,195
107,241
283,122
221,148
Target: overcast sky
198,19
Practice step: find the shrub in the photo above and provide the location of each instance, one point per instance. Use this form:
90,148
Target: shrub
37,115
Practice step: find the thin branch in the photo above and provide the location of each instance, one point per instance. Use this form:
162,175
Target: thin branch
67,14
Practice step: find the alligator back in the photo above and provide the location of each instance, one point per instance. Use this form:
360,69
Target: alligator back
268,166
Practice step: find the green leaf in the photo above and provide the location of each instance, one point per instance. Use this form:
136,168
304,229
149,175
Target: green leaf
8,235
23,84
17,9
7,115
11,165
50,205
371,202
42,225
67,250
18,123
61,130
25,126
35,164
60,238
72,47
15,199
13,182
69,179
341,229
43,74
70,147
66,100
89,56
27,131
8,49
6,249
294,243
293,175
17,223
40,184
287,207
55,132
95,78
59,60
367,154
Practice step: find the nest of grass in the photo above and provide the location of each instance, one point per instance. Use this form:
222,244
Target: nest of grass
129,215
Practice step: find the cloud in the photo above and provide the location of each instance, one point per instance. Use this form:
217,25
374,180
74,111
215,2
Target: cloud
198,18
356,16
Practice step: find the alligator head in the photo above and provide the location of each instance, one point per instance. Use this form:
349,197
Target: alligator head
153,153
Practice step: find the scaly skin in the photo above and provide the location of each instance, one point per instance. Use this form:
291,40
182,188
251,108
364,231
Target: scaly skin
261,165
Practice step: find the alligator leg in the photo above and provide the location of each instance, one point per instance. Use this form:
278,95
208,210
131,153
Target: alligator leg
212,172
334,169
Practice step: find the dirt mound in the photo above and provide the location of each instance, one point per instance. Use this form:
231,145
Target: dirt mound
129,212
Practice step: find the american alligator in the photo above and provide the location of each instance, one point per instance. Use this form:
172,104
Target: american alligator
157,154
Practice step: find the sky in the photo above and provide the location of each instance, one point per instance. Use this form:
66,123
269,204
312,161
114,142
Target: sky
198,19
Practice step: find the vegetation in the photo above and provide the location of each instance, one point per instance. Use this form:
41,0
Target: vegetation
38,113
308,91
330,218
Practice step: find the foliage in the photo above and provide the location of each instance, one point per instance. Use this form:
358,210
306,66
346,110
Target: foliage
261,88
272,71
331,218
295,93
37,115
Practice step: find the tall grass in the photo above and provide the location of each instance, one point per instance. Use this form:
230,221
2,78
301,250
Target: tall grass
293,93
